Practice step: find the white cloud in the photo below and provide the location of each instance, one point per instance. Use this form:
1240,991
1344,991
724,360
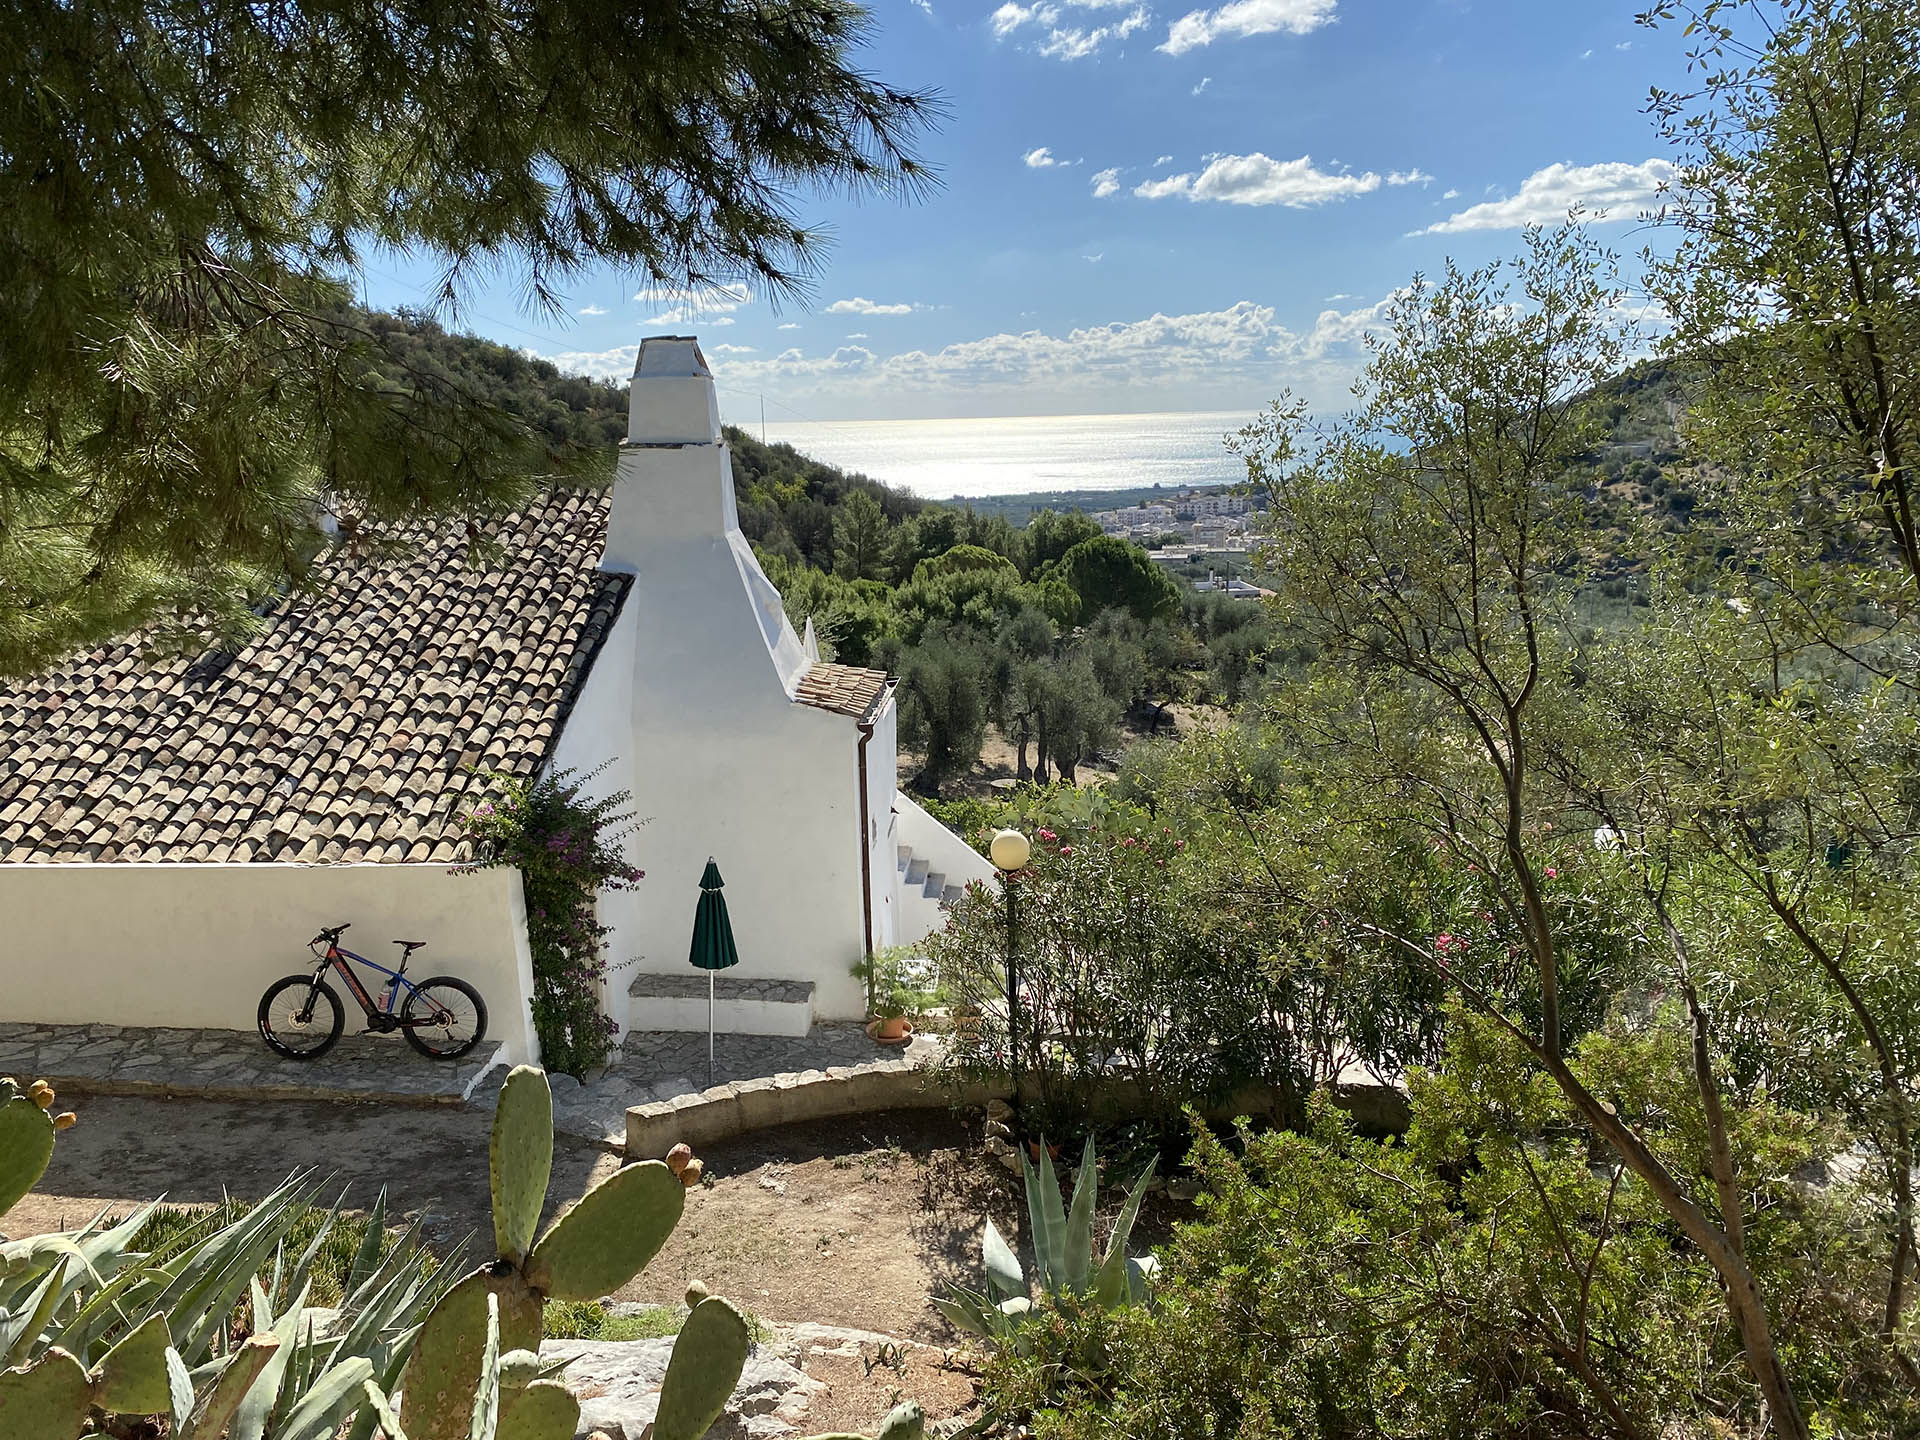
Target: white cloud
858,335
1160,189
1241,346
1162,160
1205,80
1258,179
1246,17
1602,191
733,349
1342,295
705,304
1105,183
1450,195
788,325
592,310
1624,45
1094,259
1586,54
925,7
1063,28
1041,159
860,305
1415,176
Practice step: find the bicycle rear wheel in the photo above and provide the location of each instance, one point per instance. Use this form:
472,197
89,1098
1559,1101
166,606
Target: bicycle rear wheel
444,1017
300,1017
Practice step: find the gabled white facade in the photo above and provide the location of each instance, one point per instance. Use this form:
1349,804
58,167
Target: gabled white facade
691,700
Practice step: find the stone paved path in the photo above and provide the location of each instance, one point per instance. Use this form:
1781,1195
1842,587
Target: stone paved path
236,1065
233,1065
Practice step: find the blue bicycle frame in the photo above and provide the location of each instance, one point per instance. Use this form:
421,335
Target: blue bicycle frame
336,958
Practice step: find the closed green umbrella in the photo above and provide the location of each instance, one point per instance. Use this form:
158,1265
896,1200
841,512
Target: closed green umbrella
712,947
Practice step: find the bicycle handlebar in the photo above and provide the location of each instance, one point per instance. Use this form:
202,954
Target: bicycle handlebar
331,934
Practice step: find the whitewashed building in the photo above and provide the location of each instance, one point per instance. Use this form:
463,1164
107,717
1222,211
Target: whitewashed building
171,832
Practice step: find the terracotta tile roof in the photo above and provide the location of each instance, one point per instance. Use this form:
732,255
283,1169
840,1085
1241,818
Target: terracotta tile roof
345,732
844,689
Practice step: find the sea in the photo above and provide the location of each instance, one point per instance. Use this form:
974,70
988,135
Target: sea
1018,455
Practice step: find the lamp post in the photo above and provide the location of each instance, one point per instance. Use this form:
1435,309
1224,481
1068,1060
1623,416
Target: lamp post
1009,850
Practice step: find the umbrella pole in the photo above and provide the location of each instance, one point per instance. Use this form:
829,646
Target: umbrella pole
709,1029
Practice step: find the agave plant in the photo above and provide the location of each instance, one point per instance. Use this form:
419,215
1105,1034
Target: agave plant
88,1322
1064,1256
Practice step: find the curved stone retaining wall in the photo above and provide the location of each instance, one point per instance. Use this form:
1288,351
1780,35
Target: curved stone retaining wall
705,1116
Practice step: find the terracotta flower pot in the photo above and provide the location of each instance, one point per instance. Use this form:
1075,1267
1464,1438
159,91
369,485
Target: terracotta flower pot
891,1030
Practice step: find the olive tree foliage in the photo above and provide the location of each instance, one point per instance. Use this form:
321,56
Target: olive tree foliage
1798,206
189,189
1427,550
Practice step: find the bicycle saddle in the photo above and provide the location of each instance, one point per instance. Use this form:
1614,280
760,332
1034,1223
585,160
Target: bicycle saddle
412,944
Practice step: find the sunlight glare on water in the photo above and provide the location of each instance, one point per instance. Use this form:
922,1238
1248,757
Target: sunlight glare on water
940,459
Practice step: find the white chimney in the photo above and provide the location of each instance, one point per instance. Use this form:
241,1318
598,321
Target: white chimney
703,599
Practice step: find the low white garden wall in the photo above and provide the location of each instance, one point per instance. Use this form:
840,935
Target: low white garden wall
195,945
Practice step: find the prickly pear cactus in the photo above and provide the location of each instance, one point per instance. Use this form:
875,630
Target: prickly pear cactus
708,1356
906,1421
26,1139
483,1336
47,1400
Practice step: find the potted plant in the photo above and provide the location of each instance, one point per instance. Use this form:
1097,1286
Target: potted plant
897,988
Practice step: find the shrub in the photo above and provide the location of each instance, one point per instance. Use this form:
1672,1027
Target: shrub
567,850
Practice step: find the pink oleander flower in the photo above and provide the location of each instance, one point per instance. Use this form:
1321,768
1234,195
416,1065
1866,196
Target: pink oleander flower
1552,874
1179,844
1066,849
1046,834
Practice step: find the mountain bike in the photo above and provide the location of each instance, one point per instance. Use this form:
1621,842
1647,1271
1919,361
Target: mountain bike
301,1017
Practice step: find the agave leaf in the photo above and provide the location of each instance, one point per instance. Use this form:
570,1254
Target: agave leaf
303,1267
382,1408
324,1404
100,1311
367,1257
222,1397
963,1313
24,1326
486,1396
217,1269
179,1389
250,1419
1077,1260
1111,1287
1004,1275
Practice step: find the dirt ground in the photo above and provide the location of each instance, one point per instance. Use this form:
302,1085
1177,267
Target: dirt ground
850,1222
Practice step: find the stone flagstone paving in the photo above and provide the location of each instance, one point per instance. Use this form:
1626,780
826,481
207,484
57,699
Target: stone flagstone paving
233,1065
236,1065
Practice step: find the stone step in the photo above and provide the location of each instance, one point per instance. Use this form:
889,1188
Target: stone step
692,983
935,887
903,857
742,1004
951,895
916,872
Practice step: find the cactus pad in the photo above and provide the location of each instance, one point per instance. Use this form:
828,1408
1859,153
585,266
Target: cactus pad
47,1400
520,1158
131,1378
542,1411
444,1372
518,1369
906,1421
608,1238
26,1145
708,1356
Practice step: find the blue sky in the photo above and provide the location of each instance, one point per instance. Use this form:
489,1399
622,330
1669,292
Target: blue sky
1149,207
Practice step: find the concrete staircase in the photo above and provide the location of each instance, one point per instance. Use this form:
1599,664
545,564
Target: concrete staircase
742,1005
925,896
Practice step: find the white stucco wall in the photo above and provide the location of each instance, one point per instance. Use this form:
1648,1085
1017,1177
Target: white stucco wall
691,698
196,945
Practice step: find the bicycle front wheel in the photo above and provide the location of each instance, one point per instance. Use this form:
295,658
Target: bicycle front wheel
300,1017
444,1017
